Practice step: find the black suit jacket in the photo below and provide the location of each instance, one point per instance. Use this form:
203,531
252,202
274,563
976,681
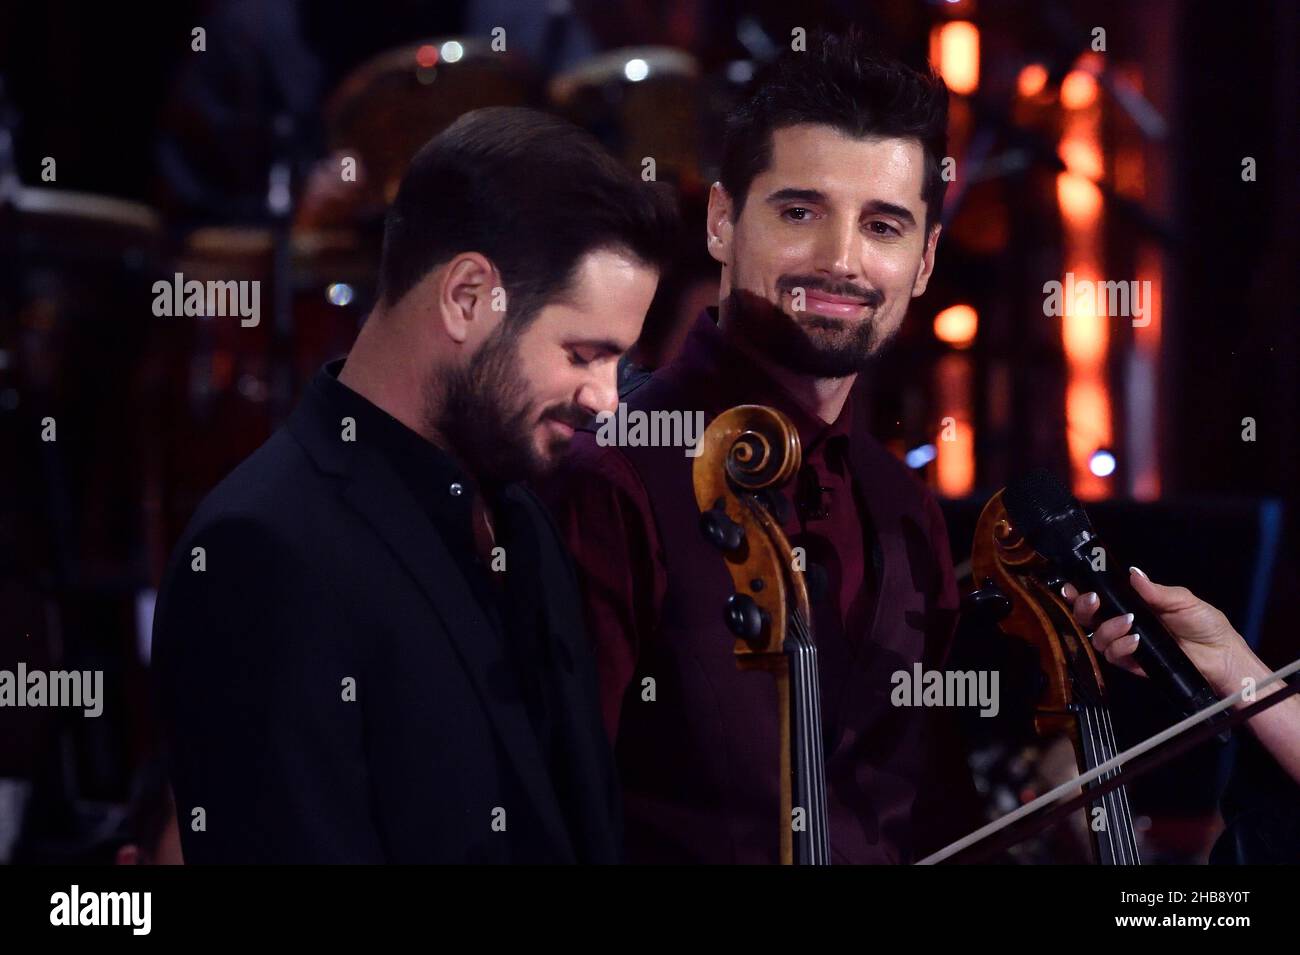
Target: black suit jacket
320,573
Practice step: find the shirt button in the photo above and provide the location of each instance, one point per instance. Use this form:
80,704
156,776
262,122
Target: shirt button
457,489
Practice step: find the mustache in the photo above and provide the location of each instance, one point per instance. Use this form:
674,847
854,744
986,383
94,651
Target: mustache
811,283
572,415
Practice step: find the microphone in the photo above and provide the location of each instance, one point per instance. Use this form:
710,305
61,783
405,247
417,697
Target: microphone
1058,528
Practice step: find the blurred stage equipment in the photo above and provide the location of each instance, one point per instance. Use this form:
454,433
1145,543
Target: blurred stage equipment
220,377
75,275
390,106
643,103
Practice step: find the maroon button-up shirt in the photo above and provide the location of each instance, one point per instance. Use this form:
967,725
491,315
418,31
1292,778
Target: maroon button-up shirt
695,737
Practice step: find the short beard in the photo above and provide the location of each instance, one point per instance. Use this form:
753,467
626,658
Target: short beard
778,337
484,413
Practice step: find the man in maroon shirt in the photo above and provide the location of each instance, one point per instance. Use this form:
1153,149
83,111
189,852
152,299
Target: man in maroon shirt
825,225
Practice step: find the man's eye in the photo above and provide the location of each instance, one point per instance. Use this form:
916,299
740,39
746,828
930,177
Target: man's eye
797,214
578,358
882,228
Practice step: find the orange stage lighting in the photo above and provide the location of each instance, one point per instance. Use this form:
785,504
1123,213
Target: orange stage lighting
955,449
1080,200
1085,322
957,325
1081,155
1032,80
955,50
1078,90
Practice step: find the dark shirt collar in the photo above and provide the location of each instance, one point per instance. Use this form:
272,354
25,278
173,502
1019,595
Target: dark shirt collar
734,378
443,489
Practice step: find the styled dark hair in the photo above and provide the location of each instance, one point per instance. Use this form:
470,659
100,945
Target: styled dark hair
531,192
840,81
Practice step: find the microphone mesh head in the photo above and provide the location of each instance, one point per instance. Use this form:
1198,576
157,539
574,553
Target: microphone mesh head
1044,511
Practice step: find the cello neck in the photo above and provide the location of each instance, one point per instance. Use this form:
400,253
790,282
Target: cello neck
810,818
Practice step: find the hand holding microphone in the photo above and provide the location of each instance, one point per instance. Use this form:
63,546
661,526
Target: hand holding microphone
1211,643
1059,530
1217,650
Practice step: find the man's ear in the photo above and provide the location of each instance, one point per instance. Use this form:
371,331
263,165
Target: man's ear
718,223
465,293
927,261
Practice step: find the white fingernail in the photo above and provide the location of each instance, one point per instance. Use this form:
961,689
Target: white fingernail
1128,620
1138,570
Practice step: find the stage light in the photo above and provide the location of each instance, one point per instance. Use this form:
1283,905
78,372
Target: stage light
1102,463
426,57
920,456
955,47
1078,90
957,325
1032,80
339,293
740,71
1080,200
452,51
1082,156
636,70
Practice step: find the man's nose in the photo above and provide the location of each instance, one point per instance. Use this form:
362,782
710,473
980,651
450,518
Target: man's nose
839,250
600,391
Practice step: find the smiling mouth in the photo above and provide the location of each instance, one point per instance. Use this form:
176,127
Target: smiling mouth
562,429
832,306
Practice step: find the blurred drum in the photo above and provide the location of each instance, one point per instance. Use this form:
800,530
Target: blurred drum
75,273
74,309
642,103
390,106
221,372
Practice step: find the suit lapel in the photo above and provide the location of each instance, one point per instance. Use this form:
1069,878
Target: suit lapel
379,497
382,500
585,758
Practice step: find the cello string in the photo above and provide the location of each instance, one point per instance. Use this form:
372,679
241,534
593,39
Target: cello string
805,781
810,747
1103,750
818,749
1124,819
815,744
1116,820
814,808
817,793
1098,755
1123,795
1115,826
815,747
801,749
821,761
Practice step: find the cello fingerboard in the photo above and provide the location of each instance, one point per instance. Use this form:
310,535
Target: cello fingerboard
808,767
1110,819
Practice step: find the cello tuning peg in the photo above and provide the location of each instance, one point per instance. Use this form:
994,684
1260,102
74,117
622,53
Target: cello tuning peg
744,617
988,603
720,530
